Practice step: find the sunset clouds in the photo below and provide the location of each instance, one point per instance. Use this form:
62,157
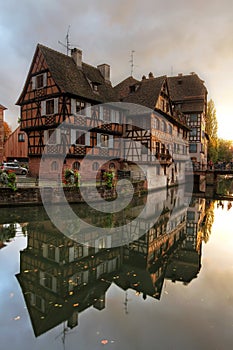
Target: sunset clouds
168,37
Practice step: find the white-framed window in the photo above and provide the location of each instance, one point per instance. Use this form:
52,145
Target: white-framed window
80,137
39,81
80,106
163,126
52,136
49,107
104,140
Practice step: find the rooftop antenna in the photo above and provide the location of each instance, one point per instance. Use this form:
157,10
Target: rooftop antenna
67,45
132,62
171,70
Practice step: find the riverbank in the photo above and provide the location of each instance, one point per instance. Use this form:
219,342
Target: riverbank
56,194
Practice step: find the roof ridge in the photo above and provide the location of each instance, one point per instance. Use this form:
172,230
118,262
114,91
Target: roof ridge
63,54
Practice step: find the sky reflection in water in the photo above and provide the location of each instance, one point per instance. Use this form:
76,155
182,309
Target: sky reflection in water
198,315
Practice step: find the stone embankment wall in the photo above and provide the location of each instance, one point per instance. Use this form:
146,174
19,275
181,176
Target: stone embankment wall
32,195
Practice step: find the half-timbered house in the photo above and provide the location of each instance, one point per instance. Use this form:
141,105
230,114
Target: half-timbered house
189,96
157,139
60,90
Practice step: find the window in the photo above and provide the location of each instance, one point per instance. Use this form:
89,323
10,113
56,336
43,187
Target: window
192,148
50,107
78,252
104,140
163,148
80,106
54,166
39,303
191,215
80,138
193,118
51,252
106,114
48,281
76,165
21,137
170,129
193,132
39,81
95,166
163,126
144,147
52,137
157,147
95,87
156,123
93,139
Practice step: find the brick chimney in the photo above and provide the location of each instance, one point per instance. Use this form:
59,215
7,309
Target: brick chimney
105,71
76,54
151,75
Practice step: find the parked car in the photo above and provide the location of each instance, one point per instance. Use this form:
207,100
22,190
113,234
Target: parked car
14,167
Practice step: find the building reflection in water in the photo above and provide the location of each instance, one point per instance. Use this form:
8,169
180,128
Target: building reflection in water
60,277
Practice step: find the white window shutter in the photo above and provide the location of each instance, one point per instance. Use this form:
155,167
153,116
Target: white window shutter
101,112
71,254
98,140
33,83
45,79
57,254
85,276
117,117
73,106
110,144
45,250
58,136
54,284
87,139
43,108
41,278
73,136
88,110
85,250
56,105
45,136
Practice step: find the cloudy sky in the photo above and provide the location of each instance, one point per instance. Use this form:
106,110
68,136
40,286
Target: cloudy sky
168,37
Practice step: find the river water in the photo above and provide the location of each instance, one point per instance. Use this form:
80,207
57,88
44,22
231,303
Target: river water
170,288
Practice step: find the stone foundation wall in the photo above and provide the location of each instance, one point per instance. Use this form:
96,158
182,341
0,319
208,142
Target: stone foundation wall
32,195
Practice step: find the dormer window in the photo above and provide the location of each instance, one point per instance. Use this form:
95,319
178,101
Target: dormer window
95,87
132,88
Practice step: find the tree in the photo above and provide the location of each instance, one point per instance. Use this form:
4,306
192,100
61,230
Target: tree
212,131
224,150
7,130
